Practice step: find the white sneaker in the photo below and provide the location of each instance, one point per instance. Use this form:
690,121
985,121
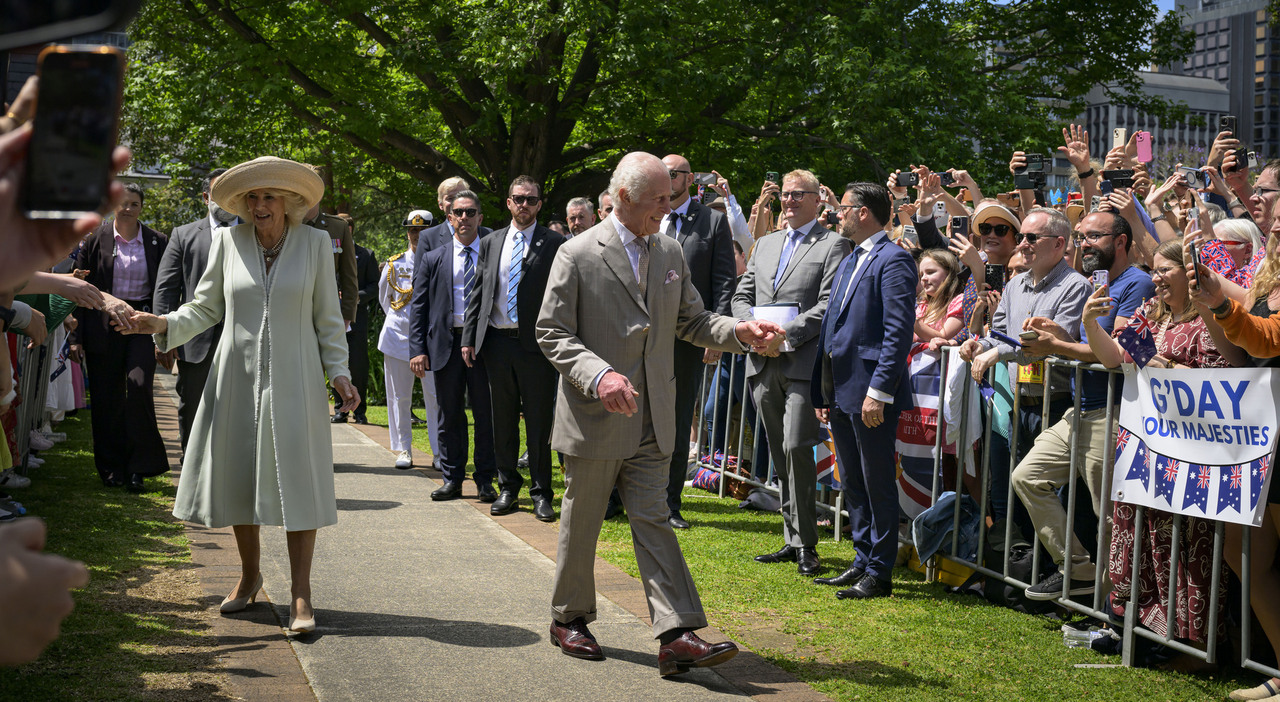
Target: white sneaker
55,436
34,461
404,460
39,442
10,479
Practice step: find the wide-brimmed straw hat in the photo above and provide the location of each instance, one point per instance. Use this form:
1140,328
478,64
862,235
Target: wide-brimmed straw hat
301,185
993,210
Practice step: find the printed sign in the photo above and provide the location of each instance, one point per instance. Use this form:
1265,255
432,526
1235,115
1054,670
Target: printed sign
1197,442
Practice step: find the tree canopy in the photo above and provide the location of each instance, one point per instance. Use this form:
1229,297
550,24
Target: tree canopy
392,97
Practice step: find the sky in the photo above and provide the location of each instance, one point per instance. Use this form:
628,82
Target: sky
1165,5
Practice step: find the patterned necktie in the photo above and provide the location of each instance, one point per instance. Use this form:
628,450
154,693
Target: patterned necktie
788,249
674,229
468,276
517,272
642,248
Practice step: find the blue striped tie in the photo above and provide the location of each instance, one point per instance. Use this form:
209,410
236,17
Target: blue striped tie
468,276
517,272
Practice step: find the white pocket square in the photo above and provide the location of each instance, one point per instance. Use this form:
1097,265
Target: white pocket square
671,275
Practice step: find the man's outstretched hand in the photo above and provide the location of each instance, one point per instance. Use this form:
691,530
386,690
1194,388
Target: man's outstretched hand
758,333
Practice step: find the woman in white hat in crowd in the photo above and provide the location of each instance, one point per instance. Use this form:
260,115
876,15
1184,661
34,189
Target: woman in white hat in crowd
260,450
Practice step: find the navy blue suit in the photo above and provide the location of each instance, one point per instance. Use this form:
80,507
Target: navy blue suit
431,333
866,335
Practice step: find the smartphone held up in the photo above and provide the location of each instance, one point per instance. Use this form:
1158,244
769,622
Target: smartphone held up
74,131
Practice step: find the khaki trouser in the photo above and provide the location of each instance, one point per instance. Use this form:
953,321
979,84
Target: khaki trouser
1046,468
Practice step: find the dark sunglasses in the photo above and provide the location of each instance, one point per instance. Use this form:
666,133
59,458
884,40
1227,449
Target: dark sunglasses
465,211
986,229
525,199
1033,238
673,173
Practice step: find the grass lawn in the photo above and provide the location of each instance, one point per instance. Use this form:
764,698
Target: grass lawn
139,629
920,644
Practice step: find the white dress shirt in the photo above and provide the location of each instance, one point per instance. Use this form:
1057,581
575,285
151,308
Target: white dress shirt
867,246
498,318
459,263
682,210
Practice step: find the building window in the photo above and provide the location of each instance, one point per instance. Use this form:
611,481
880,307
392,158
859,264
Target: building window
1262,49
1260,66
1222,56
1222,73
1261,32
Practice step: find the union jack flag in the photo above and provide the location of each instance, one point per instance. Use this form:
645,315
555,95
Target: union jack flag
1202,480
1235,477
1196,491
1229,490
1167,477
1171,471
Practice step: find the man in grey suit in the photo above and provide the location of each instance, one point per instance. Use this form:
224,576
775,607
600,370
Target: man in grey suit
180,269
793,266
616,298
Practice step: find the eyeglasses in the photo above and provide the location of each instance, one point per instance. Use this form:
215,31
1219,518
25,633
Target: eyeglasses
796,194
1228,242
525,199
1165,272
1091,237
673,173
1032,238
465,212
1262,192
986,229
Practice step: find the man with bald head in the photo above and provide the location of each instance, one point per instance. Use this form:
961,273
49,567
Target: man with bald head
617,295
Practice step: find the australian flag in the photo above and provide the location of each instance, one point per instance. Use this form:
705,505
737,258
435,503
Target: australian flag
1229,488
1141,467
1197,491
1136,339
1122,440
1166,477
1257,477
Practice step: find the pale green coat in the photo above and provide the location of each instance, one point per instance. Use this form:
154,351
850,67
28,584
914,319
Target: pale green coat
260,450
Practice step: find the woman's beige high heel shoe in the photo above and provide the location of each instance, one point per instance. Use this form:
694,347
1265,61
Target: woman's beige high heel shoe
238,604
301,626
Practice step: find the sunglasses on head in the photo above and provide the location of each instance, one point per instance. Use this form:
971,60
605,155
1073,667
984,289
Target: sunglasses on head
986,229
465,211
525,199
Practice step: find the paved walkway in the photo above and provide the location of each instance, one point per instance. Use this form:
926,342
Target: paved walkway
417,600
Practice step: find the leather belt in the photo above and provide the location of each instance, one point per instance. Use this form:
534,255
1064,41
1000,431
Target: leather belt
513,332
457,331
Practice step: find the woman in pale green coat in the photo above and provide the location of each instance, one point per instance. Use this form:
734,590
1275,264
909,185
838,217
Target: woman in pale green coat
260,450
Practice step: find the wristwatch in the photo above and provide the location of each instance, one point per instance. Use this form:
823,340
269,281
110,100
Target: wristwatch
1222,310
6,318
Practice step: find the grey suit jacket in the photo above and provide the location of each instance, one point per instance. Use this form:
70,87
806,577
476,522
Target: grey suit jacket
593,317
708,247
180,269
807,281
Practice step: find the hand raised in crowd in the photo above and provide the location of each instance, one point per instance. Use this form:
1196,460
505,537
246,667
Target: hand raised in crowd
768,192
721,185
1223,144
1075,147
930,188
907,212
350,396
35,591
1234,173
1098,304
1116,159
1217,185
31,245
141,323
1204,285
968,254
1156,197
1018,160
961,178
1141,182
617,393
1121,202
23,107
892,184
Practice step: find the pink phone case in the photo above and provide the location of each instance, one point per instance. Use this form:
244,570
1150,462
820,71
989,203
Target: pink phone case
1143,143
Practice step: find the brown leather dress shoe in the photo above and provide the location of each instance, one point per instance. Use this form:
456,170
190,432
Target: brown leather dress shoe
689,651
574,639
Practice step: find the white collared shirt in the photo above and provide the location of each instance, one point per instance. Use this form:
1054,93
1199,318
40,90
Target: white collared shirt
866,246
667,224
627,237
498,318
459,264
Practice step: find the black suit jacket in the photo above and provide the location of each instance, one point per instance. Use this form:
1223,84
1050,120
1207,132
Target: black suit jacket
367,280
179,273
431,310
98,257
708,249
543,245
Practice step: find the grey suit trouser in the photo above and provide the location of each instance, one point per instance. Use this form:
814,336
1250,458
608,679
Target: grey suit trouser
786,411
642,482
